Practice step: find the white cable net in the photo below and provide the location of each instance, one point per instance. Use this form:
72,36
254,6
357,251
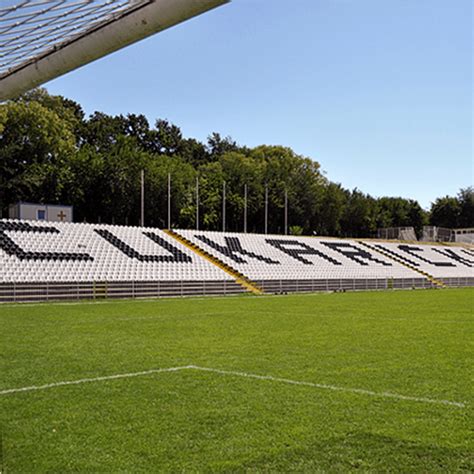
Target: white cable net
30,29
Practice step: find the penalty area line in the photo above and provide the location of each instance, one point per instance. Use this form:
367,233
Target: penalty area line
358,391
93,379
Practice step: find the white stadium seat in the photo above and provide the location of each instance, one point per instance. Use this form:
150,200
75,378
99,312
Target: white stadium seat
448,263
44,253
38,259
267,258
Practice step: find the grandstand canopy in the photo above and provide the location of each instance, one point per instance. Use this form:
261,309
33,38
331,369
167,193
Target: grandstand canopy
43,39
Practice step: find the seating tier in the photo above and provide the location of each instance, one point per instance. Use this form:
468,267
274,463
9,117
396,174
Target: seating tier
447,263
65,252
267,257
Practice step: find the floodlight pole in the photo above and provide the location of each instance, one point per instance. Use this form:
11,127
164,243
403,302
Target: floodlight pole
169,200
197,202
245,208
223,206
286,212
142,198
266,209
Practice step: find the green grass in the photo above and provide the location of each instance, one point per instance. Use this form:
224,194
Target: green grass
414,343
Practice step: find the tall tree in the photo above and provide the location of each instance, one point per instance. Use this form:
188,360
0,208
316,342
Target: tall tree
284,170
358,219
331,210
182,175
217,145
466,207
49,151
35,146
240,170
211,177
445,212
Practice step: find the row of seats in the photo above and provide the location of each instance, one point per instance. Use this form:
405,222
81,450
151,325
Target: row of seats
266,257
440,261
56,252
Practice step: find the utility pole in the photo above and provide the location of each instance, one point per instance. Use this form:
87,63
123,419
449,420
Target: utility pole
169,200
142,198
286,211
266,209
197,202
245,208
223,206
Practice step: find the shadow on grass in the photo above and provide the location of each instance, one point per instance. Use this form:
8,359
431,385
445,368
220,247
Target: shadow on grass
364,452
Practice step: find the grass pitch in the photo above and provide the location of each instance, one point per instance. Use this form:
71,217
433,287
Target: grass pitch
357,355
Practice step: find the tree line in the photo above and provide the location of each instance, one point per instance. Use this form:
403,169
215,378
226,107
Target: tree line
51,152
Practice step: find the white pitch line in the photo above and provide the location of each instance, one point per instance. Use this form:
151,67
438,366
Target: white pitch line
93,379
358,391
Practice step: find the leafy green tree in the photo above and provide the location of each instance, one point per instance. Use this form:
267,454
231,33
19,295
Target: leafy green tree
85,189
240,170
331,210
417,217
168,138
66,109
137,128
211,177
106,185
284,170
358,218
445,212
194,152
182,177
466,207
35,146
102,131
49,151
217,145
121,181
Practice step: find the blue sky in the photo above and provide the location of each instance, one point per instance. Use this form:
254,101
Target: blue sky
379,92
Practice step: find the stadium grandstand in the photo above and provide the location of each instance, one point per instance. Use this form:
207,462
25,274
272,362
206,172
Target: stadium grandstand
43,260
198,375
